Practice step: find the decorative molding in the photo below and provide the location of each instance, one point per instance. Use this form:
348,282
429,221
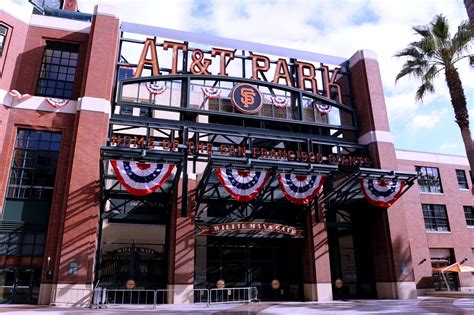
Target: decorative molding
17,11
36,103
431,157
52,22
376,136
94,104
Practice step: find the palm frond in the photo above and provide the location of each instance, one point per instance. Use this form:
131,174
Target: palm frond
423,89
462,39
440,29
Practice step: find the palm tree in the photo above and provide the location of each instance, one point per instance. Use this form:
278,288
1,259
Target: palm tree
438,51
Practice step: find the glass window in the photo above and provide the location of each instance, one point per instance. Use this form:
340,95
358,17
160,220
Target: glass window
462,180
3,38
429,179
58,70
469,213
436,217
34,163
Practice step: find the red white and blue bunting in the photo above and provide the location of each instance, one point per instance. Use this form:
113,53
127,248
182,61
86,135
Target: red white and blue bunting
19,97
380,192
155,88
279,101
300,189
141,179
56,102
242,185
323,108
211,92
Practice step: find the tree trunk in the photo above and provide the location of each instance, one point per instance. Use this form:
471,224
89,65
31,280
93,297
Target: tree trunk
458,100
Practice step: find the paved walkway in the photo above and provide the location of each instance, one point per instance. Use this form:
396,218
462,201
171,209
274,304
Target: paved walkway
423,305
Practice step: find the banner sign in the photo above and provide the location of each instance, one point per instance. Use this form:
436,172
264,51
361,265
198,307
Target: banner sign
298,74
211,148
260,228
380,192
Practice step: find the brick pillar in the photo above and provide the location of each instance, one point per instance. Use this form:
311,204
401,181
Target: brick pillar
82,203
470,12
316,268
181,241
398,280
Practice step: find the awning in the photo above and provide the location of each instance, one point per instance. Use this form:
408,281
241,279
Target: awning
455,268
343,184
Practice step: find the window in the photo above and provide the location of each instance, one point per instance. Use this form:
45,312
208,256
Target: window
58,70
429,179
462,180
436,217
33,168
3,38
469,214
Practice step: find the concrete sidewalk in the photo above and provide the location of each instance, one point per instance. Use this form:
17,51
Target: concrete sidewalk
423,305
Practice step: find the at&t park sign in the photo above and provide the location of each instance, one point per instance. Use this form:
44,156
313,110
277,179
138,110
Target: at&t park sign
297,74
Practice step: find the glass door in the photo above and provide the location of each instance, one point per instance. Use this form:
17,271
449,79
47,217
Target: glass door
7,281
19,285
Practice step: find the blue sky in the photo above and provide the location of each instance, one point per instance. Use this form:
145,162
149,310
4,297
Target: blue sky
337,28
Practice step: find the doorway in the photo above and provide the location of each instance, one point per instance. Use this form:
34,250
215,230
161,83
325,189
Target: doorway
19,285
351,253
246,262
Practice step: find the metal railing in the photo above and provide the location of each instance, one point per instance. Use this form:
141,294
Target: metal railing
71,297
233,295
125,297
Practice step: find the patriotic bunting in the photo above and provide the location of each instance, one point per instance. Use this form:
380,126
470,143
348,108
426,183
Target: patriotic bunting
381,193
279,101
19,97
56,102
323,108
300,189
141,179
211,92
155,88
242,185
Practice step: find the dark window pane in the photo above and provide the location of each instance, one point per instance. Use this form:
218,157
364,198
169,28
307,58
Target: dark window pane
61,66
429,179
436,217
33,169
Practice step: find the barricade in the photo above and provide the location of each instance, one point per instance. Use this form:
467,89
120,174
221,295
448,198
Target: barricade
71,297
233,295
130,298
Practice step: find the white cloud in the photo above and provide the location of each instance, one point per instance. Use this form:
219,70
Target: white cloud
322,26
427,121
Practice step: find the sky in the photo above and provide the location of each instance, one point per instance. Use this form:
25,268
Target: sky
337,28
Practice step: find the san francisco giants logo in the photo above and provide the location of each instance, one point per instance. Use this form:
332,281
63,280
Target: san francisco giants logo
246,98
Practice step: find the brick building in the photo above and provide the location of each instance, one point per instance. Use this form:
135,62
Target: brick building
131,152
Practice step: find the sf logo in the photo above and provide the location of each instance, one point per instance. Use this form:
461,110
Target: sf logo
248,97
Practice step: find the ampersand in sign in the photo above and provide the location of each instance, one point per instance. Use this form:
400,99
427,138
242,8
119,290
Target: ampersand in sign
248,97
199,64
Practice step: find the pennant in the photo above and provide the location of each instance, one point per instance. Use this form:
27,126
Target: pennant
380,192
211,92
242,185
155,88
56,102
141,179
323,108
279,101
300,189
